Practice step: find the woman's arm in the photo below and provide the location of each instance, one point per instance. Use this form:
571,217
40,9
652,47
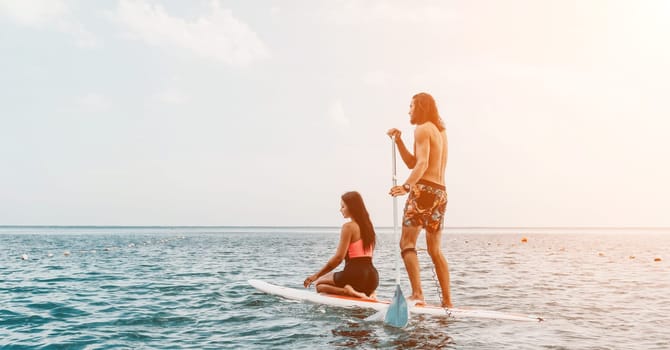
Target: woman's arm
335,260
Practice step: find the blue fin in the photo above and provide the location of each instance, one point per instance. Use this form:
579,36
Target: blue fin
397,314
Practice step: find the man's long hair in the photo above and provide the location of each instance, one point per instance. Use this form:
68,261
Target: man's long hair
426,108
360,215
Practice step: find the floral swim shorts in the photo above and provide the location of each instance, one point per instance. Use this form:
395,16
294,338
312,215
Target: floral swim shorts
425,206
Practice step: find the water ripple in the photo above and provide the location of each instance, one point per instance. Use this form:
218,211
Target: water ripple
144,290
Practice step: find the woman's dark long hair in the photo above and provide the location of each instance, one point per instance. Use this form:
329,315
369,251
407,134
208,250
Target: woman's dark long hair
360,215
426,107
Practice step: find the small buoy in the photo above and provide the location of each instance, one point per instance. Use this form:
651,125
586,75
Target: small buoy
601,254
657,259
631,257
66,253
50,255
131,245
524,240
24,257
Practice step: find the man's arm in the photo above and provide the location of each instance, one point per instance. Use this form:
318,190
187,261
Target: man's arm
407,157
422,151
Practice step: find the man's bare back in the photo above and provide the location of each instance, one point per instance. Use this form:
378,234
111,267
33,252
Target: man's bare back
437,154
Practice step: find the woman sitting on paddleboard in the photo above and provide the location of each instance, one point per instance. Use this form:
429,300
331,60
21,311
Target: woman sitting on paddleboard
357,241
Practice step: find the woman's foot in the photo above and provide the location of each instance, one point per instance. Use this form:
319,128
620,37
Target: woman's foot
356,294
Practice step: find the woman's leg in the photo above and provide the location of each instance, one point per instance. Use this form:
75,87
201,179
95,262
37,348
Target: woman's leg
331,289
326,284
354,293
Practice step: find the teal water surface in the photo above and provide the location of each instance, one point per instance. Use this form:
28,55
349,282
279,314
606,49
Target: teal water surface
186,288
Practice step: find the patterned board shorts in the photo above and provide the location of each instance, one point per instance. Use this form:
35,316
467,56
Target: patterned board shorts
425,206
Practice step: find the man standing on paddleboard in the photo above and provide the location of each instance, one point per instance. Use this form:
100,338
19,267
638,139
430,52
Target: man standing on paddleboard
427,201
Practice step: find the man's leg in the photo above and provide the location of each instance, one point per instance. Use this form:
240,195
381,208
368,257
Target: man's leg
433,241
408,251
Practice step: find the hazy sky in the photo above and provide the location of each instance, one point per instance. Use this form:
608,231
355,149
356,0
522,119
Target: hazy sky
265,112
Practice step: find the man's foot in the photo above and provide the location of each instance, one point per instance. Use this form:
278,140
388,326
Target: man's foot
416,300
448,305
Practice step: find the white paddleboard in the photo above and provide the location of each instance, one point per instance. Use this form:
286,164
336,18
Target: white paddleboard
349,302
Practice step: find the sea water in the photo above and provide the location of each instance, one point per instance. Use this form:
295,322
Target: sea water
186,288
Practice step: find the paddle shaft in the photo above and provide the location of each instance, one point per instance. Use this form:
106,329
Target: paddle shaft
395,211
397,314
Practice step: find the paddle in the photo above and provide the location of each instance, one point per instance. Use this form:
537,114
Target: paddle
397,314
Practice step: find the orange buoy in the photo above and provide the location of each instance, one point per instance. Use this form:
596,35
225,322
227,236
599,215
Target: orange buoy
657,259
524,240
631,257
